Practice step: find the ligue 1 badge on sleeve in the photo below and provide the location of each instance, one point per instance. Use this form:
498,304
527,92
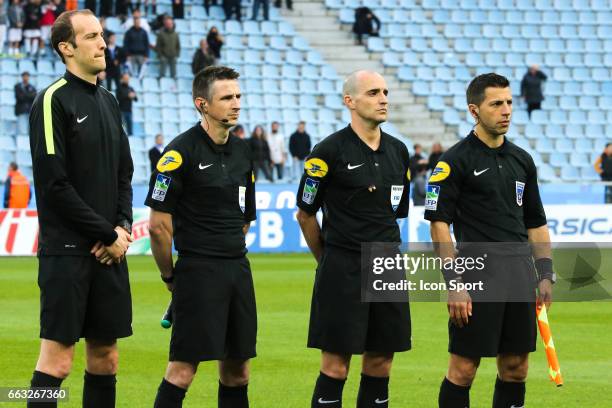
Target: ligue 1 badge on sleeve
520,189
310,190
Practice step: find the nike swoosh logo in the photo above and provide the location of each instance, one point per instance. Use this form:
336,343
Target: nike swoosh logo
354,167
377,401
478,173
202,167
80,120
322,401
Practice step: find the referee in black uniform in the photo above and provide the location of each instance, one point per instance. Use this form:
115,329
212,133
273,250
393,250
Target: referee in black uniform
487,188
82,176
351,175
202,193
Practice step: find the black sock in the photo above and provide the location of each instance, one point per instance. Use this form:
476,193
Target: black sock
169,395
327,392
453,395
99,390
40,379
508,394
233,397
373,392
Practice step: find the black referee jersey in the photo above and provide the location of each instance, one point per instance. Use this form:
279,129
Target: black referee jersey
209,190
488,194
82,166
362,191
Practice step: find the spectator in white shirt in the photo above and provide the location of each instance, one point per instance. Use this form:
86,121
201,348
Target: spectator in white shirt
278,153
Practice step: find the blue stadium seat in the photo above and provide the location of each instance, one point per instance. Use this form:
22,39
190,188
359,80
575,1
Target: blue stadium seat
564,146
558,159
7,144
285,29
420,88
459,16
409,58
569,173
604,32
596,117
169,99
549,31
462,73
588,173
425,73
574,131
577,117
533,17
588,102
436,103
511,31
270,57
313,57
479,17
539,117
406,73
289,72
568,102
431,59
9,66
594,60
310,72
516,45
251,28
419,44
453,31
300,43
271,100
271,86
307,86
397,44
587,32
533,131
441,16
376,44
463,45
579,160
583,145
440,88
474,31
270,28
392,59
288,100
547,173
451,116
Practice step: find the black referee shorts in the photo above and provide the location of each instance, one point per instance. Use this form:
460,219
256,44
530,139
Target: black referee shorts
79,297
341,323
215,317
500,327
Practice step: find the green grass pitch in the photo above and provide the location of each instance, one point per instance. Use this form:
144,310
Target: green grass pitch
284,372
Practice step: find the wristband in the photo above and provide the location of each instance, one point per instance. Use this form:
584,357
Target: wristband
169,279
449,274
544,269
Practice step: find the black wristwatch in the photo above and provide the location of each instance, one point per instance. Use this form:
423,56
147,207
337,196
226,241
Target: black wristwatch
126,226
169,279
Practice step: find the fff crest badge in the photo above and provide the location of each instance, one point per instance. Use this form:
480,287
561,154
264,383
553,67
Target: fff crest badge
520,189
396,196
242,197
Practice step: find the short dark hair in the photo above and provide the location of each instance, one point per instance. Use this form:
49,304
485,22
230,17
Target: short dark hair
475,93
63,30
302,122
13,166
203,81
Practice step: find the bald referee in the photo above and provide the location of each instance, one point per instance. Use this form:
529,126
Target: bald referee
487,188
82,176
360,177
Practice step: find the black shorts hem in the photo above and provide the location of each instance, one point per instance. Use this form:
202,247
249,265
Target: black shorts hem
319,346
210,357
